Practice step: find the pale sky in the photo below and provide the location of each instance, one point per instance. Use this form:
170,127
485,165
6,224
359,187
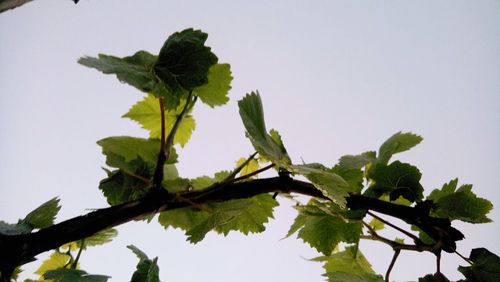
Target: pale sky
336,78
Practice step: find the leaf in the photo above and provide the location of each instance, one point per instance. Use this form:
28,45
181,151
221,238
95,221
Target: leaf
353,177
73,275
15,229
250,167
99,238
147,114
147,270
44,215
376,224
397,179
136,70
397,143
184,60
350,265
461,203
486,266
120,187
330,184
214,93
252,115
55,261
322,230
244,215
357,161
436,277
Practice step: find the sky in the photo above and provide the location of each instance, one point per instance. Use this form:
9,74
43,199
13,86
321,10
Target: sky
336,78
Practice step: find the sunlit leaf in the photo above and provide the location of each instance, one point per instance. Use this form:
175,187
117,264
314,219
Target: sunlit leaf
44,215
55,261
399,142
350,265
215,92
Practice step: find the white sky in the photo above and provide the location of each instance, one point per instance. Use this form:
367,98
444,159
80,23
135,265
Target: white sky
336,77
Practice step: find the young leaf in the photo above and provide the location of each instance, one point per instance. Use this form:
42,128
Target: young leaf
350,265
121,151
322,230
252,115
357,161
99,238
486,266
461,203
330,184
55,261
184,60
147,270
147,114
252,166
44,215
73,275
214,93
399,142
136,70
397,179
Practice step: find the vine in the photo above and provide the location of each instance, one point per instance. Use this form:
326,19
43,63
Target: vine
142,181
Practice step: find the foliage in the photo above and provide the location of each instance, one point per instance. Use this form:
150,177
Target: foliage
347,197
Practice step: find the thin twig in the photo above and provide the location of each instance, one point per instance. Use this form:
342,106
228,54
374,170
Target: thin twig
75,262
246,176
395,245
464,258
162,157
438,262
415,238
393,261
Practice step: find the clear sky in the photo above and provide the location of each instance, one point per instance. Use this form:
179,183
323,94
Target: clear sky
336,77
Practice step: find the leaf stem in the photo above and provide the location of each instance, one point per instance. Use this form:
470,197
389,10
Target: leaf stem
463,257
158,175
393,261
415,238
75,262
239,168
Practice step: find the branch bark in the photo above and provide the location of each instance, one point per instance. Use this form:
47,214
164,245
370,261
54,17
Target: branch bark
20,249
11,4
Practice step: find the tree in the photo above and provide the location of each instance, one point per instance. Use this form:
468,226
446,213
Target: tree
348,202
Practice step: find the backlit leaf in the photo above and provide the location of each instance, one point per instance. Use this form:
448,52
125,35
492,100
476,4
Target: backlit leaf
252,166
399,142
147,114
44,215
215,92
55,261
486,266
350,265
147,270
357,161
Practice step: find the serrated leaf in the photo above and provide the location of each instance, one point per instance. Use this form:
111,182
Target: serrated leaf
353,177
135,70
55,261
350,265
330,184
322,230
397,179
244,215
122,151
120,187
214,93
357,161
460,204
73,275
184,60
147,270
15,229
99,238
486,266
44,215
397,143
147,114
252,115
376,224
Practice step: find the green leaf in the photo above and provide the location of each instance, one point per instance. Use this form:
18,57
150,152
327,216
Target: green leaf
353,177
461,203
184,60
357,161
120,187
250,167
214,93
436,277
99,238
399,142
350,265
147,270
397,179
324,230
243,215
330,184
376,224
55,261
486,266
73,275
147,114
44,215
136,70
252,115
15,229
